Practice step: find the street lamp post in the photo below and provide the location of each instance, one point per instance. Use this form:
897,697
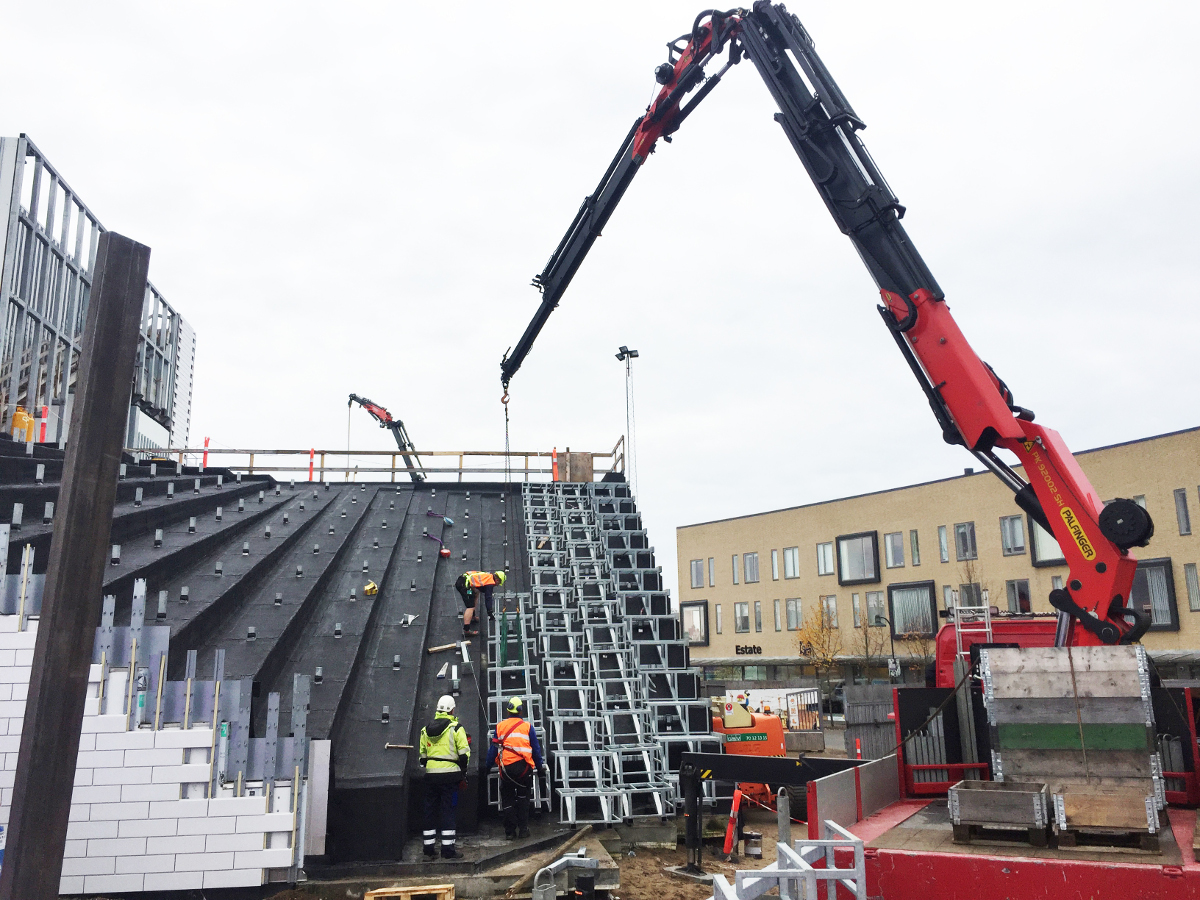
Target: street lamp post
893,663
627,356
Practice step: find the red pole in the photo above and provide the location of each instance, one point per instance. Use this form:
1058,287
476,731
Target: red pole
204,462
311,454
858,748
554,461
45,413
731,828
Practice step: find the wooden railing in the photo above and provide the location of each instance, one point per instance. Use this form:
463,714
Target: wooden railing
315,464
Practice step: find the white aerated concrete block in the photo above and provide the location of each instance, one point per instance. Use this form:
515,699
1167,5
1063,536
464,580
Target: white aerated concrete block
6,691
93,724
19,691
263,859
87,742
174,881
127,740
180,737
181,774
91,706
116,847
220,843
281,821
70,884
179,809
84,830
11,675
117,884
138,775
8,658
74,848
8,623
190,843
210,825
95,672
13,709
237,878
103,811
143,864
149,791
203,862
83,777
148,827
159,757
237,806
80,812
7,778
102,759
106,793
89,865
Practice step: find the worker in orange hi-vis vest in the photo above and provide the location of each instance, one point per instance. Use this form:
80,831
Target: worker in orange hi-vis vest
469,586
515,747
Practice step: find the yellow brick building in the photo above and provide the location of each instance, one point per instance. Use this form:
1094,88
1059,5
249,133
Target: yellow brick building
747,584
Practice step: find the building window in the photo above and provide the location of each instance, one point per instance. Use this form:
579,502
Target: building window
856,608
970,595
795,617
876,607
1056,582
774,565
964,541
1045,549
858,558
718,610
697,573
914,547
893,550
712,571
741,617
791,562
829,611
758,615
778,622
1154,594
750,562
736,565
694,614
1018,595
1193,586
913,608
1012,535
947,596
1181,512
943,543
825,558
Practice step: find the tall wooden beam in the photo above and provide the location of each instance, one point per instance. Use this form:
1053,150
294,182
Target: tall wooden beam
37,825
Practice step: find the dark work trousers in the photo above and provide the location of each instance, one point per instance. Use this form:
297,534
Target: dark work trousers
516,783
441,794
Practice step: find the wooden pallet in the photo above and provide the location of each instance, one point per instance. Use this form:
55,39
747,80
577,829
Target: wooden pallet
413,892
1090,838
1034,837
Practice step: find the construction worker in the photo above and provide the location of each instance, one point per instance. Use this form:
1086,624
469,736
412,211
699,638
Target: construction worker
445,753
515,746
469,586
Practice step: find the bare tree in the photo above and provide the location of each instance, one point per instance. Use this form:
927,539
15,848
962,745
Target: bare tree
819,644
869,642
921,640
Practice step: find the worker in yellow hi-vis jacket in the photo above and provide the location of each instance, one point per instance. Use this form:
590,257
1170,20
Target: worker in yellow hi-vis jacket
445,753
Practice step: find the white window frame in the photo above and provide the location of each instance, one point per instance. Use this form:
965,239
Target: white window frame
758,616
1012,589
829,611
856,609
1193,586
774,565
795,614
737,565
1183,518
791,562
876,606
914,547
741,614
964,533
944,543
1009,524
750,567
712,571
697,567
778,620
893,549
826,561
717,611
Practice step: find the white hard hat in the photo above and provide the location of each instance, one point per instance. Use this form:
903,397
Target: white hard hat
445,704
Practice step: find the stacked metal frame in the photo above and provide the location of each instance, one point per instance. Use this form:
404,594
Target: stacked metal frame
619,700
48,238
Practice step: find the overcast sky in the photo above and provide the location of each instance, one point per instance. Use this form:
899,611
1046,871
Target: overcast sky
354,197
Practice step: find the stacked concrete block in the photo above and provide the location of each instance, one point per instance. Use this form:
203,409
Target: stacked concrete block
150,809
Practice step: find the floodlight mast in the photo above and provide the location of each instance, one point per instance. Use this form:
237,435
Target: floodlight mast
973,407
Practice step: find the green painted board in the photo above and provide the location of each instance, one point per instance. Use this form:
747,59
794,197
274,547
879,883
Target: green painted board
1028,736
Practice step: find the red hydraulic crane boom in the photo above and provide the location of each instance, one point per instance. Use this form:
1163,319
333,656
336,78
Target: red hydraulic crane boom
407,451
972,405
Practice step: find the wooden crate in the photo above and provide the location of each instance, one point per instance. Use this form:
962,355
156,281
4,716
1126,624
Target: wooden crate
1009,805
413,892
1112,812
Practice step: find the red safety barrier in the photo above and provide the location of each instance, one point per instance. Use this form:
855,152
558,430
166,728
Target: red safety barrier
311,454
45,414
554,461
204,461
731,828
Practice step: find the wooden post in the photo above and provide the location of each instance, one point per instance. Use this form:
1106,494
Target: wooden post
72,600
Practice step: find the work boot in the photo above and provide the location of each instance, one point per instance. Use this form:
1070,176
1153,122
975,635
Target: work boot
453,854
510,835
430,852
470,632
524,832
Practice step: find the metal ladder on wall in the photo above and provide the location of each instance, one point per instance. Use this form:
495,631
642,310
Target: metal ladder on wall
971,620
